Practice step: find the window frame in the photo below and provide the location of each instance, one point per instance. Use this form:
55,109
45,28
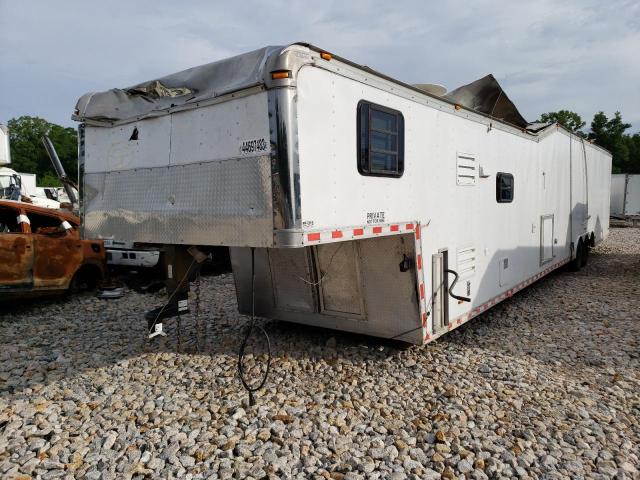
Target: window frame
364,155
499,188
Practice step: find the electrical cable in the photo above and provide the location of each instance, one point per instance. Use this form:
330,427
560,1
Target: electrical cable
252,325
453,284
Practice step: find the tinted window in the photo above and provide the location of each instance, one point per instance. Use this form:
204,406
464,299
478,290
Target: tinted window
39,223
504,188
9,221
380,140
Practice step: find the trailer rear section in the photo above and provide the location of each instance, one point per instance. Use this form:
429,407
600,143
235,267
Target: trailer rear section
349,200
625,195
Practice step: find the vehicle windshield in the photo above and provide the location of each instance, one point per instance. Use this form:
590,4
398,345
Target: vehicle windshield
9,186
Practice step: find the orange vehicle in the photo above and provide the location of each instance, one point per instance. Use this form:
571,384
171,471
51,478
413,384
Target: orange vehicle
41,252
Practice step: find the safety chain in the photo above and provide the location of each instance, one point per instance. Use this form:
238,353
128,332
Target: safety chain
198,326
178,334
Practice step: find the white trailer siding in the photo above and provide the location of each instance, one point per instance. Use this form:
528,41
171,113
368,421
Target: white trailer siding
599,177
625,194
507,241
632,197
618,186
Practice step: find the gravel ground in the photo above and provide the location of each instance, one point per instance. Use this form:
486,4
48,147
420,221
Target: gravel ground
545,385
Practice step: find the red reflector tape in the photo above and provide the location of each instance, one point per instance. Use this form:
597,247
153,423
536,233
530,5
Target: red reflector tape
419,262
422,290
424,319
336,234
417,232
312,237
358,231
377,229
409,226
394,228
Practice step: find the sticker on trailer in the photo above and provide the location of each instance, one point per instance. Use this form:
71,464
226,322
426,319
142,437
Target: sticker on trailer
375,217
255,145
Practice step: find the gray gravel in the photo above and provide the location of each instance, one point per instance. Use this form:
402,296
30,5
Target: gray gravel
545,385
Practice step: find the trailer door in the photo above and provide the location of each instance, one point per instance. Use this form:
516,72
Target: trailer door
546,239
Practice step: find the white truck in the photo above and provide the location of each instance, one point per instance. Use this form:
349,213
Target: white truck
350,200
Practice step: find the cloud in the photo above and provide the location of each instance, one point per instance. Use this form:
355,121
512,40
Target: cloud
580,55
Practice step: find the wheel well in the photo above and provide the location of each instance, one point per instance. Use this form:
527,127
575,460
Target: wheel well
88,274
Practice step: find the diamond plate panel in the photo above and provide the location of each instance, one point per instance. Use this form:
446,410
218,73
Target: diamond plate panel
212,203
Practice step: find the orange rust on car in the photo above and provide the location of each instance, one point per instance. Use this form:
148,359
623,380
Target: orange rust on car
39,254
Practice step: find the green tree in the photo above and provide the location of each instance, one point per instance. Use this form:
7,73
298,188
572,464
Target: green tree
568,119
28,155
609,134
633,144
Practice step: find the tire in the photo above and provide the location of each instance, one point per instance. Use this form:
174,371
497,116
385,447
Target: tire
586,246
577,262
83,280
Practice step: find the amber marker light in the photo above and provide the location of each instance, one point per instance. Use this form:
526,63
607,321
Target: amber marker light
280,74
325,55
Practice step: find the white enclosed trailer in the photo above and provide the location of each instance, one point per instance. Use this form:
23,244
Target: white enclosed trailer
359,194
625,194
5,151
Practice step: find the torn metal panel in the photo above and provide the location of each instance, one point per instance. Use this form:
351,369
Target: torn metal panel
487,96
189,86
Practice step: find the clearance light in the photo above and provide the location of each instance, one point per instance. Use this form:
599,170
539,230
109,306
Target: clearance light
325,55
279,74
457,107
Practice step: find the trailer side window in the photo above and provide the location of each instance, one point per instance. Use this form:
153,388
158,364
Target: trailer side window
504,187
380,140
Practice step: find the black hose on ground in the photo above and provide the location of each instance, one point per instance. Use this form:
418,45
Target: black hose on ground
252,325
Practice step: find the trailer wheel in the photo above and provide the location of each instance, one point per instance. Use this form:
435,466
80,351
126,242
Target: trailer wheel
586,246
576,263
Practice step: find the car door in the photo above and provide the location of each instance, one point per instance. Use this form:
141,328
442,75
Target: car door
16,251
57,252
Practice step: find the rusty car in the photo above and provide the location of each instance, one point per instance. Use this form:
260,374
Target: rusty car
41,252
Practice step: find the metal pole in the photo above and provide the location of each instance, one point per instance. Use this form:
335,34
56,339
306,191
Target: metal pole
57,165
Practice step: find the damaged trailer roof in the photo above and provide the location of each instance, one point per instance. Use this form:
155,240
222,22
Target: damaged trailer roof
206,82
485,95
188,86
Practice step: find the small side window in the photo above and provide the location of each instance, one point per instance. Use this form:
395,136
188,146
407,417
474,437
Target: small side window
380,140
45,224
504,187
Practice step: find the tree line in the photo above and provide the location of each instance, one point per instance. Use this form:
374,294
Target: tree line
28,154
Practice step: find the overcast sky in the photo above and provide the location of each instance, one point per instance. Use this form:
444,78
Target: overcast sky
548,55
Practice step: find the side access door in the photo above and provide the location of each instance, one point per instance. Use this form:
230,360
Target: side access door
16,251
